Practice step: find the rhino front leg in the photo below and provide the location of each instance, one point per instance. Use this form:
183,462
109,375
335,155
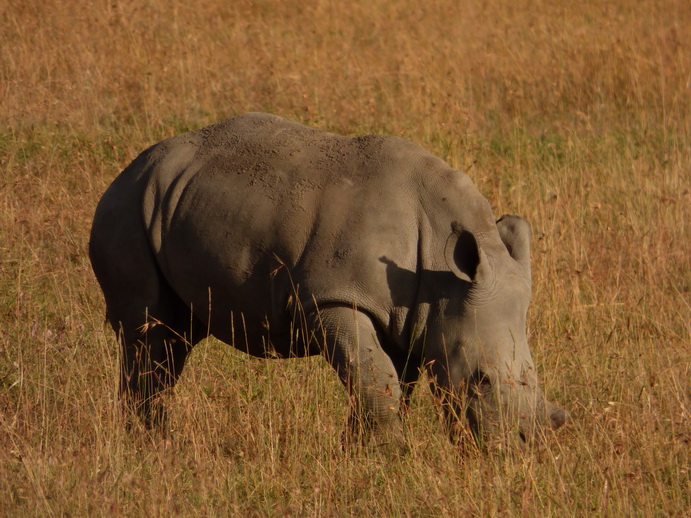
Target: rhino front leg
350,343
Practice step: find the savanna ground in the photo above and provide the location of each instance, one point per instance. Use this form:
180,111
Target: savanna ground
576,115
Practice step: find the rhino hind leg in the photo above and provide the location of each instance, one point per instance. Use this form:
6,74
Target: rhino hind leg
156,330
155,341
351,344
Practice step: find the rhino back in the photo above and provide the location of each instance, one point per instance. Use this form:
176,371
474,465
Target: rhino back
244,214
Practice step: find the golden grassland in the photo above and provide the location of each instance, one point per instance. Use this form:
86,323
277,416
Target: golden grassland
576,115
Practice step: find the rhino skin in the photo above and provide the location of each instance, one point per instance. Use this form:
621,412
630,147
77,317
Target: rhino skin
285,241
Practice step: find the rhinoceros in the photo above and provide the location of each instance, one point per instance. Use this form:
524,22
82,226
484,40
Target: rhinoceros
285,241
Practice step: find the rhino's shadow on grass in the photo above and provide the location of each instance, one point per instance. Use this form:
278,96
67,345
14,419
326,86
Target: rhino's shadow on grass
426,286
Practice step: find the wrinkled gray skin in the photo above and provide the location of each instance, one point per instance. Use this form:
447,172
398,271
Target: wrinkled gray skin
285,241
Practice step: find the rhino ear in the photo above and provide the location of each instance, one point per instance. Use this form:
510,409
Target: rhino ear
515,233
463,254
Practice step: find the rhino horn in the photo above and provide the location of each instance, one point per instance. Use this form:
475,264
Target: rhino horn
557,416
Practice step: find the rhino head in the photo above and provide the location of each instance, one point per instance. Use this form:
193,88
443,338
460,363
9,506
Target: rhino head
487,372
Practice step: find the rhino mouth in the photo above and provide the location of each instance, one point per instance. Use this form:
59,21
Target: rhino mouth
487,427
478,411
488,413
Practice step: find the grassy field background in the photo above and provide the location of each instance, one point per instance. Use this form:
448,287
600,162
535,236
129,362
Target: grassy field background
576,115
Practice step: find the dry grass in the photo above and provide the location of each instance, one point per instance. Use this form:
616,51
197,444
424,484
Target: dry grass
576,115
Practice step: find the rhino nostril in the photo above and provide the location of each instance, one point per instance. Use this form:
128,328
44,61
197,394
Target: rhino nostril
480,384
